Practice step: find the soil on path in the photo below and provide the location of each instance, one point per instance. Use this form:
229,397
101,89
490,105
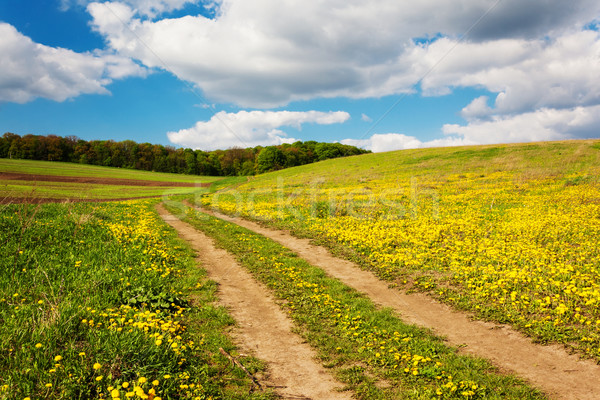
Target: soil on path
549,368
262,327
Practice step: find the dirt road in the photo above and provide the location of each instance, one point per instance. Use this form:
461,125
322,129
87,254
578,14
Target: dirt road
262,327
549,368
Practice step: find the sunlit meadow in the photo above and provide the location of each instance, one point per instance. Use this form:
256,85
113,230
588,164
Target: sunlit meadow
509,232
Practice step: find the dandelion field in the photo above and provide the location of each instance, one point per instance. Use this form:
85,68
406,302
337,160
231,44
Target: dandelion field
103,301
509,232
371,351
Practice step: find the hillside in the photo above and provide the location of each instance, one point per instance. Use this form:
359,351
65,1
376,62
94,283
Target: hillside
508,232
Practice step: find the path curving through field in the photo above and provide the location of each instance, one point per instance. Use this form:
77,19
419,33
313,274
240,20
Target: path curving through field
549,368
262,327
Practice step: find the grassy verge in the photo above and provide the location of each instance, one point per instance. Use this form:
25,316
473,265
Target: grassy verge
370,350
103,301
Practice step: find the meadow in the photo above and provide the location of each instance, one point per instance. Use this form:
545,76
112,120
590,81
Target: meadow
370,350
91,182
508,232
103,301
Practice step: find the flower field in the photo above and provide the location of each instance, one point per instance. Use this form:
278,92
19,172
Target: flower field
509,232
375,354
96,302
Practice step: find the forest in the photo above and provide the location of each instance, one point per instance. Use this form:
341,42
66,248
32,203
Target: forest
155,157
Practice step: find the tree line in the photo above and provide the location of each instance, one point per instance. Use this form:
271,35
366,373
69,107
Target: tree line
159,158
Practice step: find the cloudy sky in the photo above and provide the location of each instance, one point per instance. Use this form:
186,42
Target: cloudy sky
380,74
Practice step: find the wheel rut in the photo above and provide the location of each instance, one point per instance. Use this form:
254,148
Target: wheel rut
550,368
262,327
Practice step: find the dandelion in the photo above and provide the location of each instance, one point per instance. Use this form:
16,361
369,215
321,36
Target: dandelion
99,378
48,385
155,382
57,358
38,345
97,366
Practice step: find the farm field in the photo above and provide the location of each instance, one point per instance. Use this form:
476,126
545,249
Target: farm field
32,180
103,301
508,232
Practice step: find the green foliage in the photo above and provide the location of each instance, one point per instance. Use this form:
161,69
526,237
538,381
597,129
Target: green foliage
158,158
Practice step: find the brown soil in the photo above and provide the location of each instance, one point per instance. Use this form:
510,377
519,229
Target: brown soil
44,200
262,327
94,180
549,368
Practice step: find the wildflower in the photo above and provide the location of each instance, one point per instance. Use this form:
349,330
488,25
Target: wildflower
142,380
99,378
58,358
155,382
115,394
38,345
125,385
48,385
97,366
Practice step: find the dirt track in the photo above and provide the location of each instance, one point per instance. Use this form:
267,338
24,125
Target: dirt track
94,180
262,327
549,368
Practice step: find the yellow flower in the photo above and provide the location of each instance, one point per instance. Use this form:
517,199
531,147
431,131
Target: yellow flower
115,394
48,385
38,345
97,366
99,378
155,382
142,380
58,358
125,384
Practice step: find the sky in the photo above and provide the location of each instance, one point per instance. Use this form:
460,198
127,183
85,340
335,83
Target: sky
380,74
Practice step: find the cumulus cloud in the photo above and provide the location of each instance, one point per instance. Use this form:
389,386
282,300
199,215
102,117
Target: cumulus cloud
538,125
268,53
381,142
146,8
250,128
31,70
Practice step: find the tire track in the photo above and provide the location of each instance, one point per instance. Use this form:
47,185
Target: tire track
262,327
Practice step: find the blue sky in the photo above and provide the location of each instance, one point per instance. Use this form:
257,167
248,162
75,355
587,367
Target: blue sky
382,75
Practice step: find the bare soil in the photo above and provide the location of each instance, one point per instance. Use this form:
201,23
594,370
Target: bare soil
262,327
44,200
94,180
551,369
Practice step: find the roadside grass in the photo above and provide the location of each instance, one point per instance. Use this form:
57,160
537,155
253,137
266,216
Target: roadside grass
84,170
508,232
371,350
104,301
66,190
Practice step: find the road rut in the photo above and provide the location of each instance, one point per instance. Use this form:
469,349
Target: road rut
262,327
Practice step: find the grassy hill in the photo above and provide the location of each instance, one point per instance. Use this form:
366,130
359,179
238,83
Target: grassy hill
507,231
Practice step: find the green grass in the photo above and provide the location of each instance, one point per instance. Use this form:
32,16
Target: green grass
63,190
98,298
84,170
369,349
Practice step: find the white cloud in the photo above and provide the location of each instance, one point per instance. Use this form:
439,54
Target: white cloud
146,8
365,118
31,70
250,128
540,125
381,142
267,53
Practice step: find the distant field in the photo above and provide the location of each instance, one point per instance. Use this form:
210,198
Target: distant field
90,182
509,232
70,169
